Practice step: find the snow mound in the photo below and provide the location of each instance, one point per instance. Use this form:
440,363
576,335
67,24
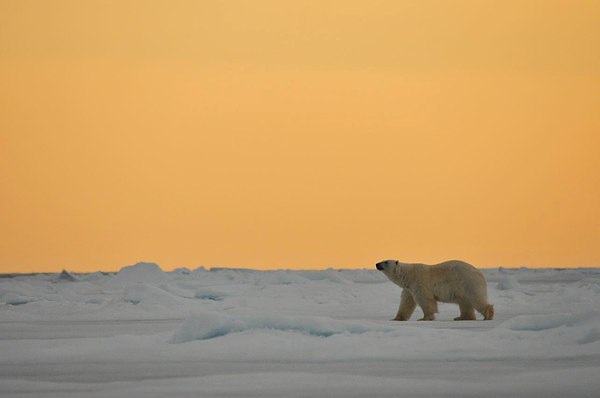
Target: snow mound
578,328
363,276
15,299
136,293
66,276
140,272
329,275
508,282
16,295
280,277
208,325
553,321
95,276
181,271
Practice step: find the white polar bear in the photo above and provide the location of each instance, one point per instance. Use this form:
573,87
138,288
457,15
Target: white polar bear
449,282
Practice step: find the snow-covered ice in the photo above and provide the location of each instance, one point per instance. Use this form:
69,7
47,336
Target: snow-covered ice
225,332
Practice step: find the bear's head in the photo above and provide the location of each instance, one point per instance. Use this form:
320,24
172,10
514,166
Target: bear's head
387,267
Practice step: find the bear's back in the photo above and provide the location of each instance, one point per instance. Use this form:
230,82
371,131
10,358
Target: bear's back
457,265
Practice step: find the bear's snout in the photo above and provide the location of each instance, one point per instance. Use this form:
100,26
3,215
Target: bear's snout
379,266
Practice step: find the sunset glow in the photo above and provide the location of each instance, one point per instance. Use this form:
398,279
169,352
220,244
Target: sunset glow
304,134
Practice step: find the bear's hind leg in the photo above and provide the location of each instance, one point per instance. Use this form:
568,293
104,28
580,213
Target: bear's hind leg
429,307
487,310
467,312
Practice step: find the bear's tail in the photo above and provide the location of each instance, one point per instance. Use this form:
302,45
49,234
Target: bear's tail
488,313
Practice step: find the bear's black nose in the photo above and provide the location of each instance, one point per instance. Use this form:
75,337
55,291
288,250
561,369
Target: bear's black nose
379,266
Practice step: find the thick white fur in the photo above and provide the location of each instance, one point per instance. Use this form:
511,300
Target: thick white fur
449,282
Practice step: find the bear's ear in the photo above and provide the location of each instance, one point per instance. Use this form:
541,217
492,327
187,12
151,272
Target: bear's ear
397,262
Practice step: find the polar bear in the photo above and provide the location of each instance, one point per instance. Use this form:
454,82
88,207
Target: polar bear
449,282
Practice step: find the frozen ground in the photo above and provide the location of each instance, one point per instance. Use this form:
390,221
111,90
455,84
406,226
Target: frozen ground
234,333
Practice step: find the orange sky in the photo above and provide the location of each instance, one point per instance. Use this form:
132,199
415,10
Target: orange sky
304,134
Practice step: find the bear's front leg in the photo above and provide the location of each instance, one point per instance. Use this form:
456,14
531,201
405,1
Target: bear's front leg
407,306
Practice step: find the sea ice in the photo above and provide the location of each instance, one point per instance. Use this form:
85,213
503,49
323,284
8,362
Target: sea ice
143,332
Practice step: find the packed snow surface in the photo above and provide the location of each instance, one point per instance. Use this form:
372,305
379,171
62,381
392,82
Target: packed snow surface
225,332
